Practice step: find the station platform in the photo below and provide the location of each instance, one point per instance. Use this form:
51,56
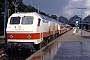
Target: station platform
67,47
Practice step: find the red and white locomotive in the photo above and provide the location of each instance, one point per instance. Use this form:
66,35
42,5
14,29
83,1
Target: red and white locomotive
29,30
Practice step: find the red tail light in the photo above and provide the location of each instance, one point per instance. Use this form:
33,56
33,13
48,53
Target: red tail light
39,21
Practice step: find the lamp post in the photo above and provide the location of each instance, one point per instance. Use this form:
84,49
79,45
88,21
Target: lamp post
81,19
4,21
5,16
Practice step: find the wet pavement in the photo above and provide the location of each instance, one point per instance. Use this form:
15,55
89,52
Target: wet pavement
48,53
67,47
73,51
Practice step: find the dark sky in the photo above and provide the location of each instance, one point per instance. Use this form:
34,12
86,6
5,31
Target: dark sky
67,8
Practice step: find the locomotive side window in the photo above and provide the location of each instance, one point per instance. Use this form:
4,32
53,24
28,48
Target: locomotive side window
45,21
27,20
15,20
62,27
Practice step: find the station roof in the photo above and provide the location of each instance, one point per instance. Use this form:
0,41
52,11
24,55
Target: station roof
87,19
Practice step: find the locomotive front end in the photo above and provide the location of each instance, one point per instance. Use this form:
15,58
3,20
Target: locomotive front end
21,33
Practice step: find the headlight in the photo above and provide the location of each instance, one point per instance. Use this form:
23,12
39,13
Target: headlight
11,36
29,37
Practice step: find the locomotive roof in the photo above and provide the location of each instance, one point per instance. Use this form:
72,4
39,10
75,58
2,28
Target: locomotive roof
47,18
42,16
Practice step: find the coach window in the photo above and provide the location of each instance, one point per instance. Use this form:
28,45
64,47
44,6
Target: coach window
15,20
27,20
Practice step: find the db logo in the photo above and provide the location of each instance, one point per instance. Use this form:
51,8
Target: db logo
19,26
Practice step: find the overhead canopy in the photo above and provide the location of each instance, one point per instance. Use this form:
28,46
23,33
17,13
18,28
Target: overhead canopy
73,19
87,20
63,19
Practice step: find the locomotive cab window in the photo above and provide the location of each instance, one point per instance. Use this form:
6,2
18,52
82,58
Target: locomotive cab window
27,20
15,20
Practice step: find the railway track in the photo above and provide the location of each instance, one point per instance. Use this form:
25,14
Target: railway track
4,56
19,56
2,51
13,57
